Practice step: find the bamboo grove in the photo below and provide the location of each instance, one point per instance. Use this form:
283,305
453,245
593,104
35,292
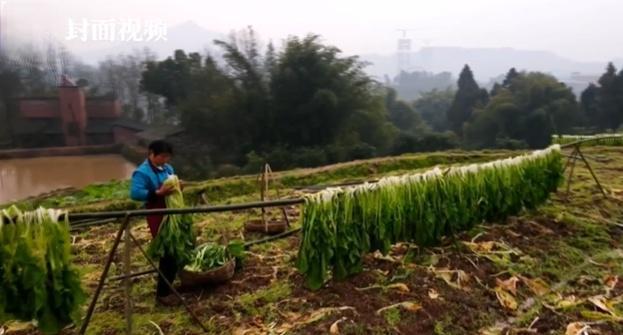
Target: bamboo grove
340,225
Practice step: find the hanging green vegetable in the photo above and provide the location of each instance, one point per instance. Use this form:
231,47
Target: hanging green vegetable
176,237
341,225
37,281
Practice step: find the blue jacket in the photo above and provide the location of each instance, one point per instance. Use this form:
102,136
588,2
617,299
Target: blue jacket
146,180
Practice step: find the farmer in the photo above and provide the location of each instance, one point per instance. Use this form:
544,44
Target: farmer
147,186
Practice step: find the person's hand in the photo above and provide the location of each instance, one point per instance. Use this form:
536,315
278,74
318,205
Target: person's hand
165,190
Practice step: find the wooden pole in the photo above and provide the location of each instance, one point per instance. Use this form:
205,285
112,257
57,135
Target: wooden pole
247,245
127,283
570,157
285,216
269,176
177,294
200,209
588,166
263,195
572,162
102,279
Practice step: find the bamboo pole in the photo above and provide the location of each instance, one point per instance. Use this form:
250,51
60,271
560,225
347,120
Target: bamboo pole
177,294
573,144
263,188
201,209
572,164
588,166
246,246
100,285
127,284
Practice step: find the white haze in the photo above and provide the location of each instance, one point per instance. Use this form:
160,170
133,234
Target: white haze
579,31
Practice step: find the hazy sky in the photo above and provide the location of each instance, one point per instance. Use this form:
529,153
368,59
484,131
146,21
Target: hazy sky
586,30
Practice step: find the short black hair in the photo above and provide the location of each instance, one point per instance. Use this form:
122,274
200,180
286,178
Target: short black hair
158,147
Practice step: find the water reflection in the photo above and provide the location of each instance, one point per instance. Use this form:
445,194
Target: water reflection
21,178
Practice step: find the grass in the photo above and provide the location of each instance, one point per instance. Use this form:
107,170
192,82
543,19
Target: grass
392,316
441,326
583,247
261,302
114,195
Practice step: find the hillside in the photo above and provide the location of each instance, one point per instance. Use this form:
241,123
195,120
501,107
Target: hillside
562,261
486,62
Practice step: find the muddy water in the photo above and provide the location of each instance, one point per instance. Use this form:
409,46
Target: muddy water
21,178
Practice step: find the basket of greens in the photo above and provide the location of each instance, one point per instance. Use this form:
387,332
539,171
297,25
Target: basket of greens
212,263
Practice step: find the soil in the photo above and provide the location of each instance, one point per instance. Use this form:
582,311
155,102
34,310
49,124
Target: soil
268,296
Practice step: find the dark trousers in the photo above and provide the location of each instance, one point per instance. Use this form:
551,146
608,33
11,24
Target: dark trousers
168,267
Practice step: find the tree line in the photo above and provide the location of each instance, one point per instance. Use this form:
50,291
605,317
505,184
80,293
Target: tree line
304,103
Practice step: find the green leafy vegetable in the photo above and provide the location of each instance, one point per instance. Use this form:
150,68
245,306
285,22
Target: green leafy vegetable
37,281
210,255
340,225
175,237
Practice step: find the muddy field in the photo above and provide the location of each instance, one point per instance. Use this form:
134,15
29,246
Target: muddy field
556,270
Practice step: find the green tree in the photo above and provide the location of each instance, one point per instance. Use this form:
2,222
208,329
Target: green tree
432,106
535,90
10,87
589,101
497,87
210,105
402,114
618,117
410,85
530,110
270,60
608,108
506,83
496,120
286,106
510,76
171,78
468,97
320,98
603,104
248,70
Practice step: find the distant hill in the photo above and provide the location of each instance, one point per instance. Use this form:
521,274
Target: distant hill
485,62
489,64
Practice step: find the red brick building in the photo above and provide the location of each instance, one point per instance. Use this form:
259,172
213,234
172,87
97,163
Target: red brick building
71,119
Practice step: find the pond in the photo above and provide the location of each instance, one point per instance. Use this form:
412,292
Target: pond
22,178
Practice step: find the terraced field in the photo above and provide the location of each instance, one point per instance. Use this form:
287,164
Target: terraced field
553,270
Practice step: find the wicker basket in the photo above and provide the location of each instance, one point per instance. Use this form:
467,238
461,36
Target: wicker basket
271,227
215,276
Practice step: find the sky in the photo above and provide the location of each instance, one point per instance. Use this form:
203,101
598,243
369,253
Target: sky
578,29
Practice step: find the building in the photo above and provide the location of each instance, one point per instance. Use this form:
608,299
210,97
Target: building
70,119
